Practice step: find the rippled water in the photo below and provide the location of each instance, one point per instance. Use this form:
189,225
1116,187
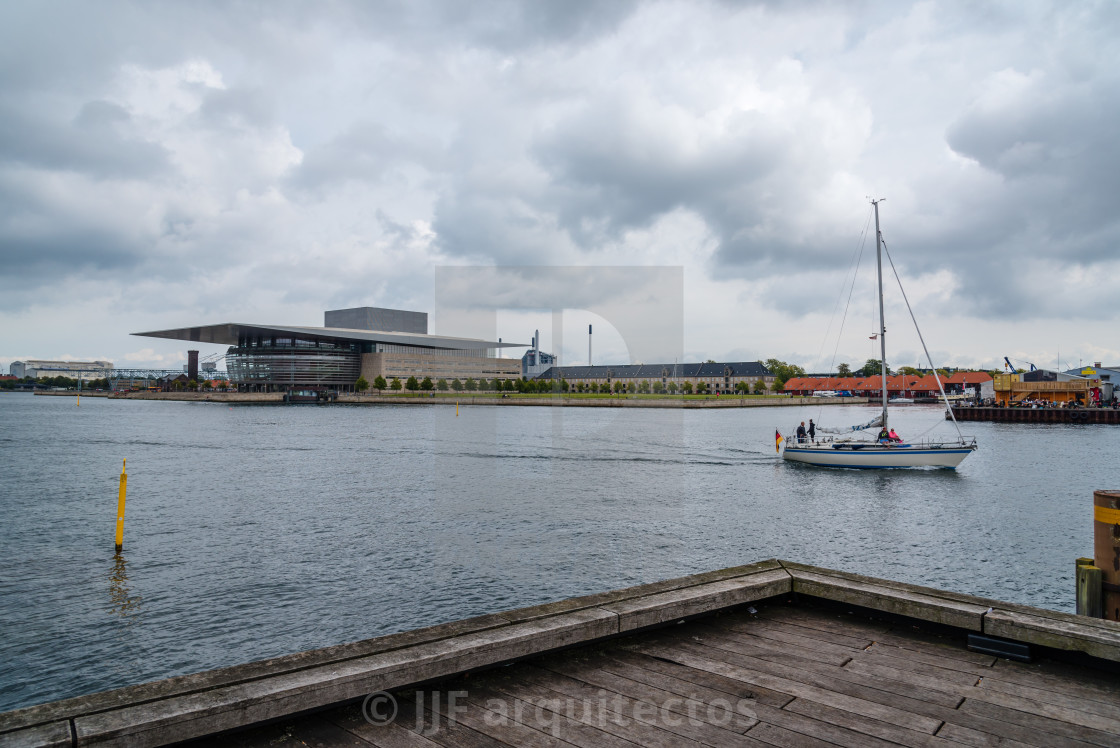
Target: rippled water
254,531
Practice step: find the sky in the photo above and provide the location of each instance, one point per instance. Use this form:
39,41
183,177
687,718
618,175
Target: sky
173,164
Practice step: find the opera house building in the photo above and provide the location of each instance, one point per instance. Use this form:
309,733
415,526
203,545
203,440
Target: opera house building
365,341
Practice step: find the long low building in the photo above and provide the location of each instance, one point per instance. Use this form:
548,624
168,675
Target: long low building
353,343
719,378
898,385
85,370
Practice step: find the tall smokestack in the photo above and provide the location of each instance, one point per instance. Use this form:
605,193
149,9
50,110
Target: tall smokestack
589,345
192,365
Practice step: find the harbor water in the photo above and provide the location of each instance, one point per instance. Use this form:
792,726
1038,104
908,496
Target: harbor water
255,531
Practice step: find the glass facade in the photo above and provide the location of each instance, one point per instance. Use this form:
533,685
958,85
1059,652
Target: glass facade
288,362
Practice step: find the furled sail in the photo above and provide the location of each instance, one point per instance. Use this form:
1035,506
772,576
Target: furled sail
875,422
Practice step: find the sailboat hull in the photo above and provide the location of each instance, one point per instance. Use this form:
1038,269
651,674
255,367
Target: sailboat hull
876,456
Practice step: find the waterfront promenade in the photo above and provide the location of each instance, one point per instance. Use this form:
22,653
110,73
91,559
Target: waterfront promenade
774,653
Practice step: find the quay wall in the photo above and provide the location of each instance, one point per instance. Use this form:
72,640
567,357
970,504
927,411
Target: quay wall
1037,415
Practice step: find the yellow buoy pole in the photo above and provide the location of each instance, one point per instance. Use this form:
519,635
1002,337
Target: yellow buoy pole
120,507
456,408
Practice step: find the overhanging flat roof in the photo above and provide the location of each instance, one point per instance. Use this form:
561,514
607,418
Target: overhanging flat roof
228,333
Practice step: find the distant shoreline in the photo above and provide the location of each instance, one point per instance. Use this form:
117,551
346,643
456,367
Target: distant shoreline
568,400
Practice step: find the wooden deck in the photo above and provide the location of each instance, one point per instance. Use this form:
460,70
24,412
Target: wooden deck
806,674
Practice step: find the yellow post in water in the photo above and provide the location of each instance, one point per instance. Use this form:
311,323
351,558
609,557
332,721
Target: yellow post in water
120,507
79,399
456,408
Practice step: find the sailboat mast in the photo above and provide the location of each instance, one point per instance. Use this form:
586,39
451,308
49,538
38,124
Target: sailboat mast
882,321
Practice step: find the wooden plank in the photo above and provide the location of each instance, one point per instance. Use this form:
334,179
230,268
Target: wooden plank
1055,676
703,678
642,590
392,735
561,725
314,731
51,735
616,710
440,731
1098,641
942,647
194,715
797,688
924,606
920,667
268,736
1033,727
927,657
1054,720
788,635
968,736
779,736
1038,710
774,649
862,725
791,721
543,734
665,607
785,631
211,679
823,619
1110,709
871,687
698,721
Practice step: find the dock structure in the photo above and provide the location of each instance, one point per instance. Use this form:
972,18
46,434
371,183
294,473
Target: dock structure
1036,415
773,653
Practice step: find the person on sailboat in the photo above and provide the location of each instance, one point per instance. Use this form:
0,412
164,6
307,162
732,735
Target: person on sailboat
812,431
884,436
801,433
894,437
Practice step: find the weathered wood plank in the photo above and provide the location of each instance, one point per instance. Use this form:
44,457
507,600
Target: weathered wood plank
440,731
804,635
642,590
617,710
792,638
779,736
923,605
1057,676
193,715
702,678
771,649
664,607
968,736
1041,722
823,695
1098,641
862,725
52,735
824,619
932,658
840,680
392,735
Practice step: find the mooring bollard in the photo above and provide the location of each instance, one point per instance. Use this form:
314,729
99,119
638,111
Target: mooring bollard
1088,581
1106,549
120,506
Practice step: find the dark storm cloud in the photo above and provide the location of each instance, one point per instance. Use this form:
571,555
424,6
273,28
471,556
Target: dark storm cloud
91,143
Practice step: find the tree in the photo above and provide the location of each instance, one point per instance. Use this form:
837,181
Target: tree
643,388
701,388
872,368
686,388
471,385
909,371
509,385
759,387
456,385
658,388
361,385
427,385
783,372
843,370
441,385
742,387
396,384
412,384
672,388
619,386
379,383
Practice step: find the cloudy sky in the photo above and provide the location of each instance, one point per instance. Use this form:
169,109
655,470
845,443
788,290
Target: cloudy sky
170,164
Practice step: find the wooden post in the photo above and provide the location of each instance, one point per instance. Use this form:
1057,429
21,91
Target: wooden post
1088,589
1106,549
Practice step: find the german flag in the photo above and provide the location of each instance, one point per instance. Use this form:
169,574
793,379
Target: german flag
777,440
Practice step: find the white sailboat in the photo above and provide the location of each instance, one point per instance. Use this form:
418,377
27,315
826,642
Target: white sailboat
855,453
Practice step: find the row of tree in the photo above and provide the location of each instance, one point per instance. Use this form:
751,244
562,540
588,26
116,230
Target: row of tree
544,385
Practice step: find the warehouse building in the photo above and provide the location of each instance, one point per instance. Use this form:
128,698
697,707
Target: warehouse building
717,378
